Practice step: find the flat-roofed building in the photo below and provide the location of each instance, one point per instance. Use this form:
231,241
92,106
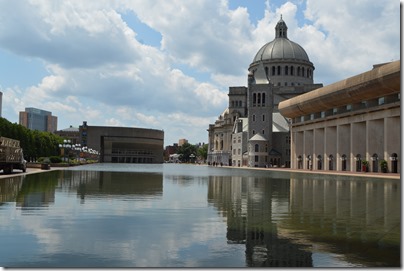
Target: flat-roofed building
38,119
348,124
124,144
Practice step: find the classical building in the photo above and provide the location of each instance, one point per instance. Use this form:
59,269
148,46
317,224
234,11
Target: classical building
123,144
251,131
38,119
350,125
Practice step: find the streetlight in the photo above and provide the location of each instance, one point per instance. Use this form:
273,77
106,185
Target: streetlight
192,156
77,148
65,147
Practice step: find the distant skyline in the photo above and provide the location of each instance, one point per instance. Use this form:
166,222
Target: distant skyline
168,64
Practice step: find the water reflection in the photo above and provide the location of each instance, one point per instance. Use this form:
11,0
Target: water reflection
292,223
184,216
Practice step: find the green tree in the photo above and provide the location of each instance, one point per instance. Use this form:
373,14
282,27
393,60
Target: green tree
186,150
203,152
34,143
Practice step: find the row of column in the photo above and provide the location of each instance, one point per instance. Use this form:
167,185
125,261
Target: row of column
345,146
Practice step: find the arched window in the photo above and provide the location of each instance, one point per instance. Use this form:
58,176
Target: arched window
299,162
266,72
298,71
263,99
221,144
256,148
375,160
254,99
291,70
286,70
308,73
358,162
394,163
263,117
259,99
331,162
319,162
253,117
279,70
273,70
309,162
343,158
303,72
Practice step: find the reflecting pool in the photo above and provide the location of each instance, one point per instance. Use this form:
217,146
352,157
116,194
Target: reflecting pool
172,215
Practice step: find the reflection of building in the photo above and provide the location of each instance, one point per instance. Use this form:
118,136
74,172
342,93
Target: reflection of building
362,213
281,222
280,70
250,208
123,144
90,184
38,119
339,126
38,190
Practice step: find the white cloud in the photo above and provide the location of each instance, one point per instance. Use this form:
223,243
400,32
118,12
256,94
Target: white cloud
98,71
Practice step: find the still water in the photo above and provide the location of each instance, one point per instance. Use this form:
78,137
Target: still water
170,215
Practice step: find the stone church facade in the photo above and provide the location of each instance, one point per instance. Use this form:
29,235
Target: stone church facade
251,131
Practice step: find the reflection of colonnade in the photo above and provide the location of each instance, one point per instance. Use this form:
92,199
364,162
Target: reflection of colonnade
250,204
357,211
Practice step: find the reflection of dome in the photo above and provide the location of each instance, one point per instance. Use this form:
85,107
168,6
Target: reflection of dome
281,47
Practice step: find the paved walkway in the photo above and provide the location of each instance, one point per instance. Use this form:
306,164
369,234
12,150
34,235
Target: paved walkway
17,172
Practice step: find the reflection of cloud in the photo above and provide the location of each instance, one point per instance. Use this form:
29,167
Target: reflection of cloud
127,231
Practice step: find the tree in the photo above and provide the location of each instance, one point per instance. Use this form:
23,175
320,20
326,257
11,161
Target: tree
34,143
186,150
203,152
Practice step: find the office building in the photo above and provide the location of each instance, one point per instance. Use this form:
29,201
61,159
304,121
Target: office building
38,119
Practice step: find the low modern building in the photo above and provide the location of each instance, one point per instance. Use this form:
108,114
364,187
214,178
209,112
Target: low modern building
124,144
71,133
349,124
38,119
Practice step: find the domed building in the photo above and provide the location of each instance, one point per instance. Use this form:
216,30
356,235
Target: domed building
251,131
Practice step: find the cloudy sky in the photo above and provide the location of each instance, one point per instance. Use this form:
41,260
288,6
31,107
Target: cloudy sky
168,64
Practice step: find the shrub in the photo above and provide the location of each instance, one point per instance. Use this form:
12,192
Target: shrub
55,159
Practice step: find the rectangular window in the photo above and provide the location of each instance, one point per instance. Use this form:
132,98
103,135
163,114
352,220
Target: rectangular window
256,158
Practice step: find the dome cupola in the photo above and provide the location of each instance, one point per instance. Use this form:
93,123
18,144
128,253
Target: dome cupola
281,30
286,62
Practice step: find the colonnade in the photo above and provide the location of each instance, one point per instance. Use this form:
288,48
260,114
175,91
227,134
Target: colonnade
348,143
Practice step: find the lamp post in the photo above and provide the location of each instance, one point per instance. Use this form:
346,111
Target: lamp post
65,147
192,156
77,148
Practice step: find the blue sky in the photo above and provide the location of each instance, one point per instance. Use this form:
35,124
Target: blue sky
169,64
